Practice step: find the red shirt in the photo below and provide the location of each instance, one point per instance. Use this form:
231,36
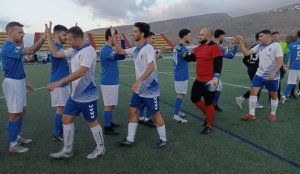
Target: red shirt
205,55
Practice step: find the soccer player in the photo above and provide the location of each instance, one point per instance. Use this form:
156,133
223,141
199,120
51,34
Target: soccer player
109,81
146,119
145,89
208,56
59,70
294,70
151,40
251,63
284,47
84,91
219,37
290,39
181,73
268,72
15,84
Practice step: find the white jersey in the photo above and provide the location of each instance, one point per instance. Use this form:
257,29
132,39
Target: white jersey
268,55
83,89
142,56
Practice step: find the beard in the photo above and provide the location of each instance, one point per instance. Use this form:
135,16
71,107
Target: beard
187,42
202,42
221,41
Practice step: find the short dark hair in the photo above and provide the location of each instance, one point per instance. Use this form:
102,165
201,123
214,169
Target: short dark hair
59,28
218,33
143,27
298,34
265,32
12,24
151,33
275,32
76,32
183,32
256,36
108,33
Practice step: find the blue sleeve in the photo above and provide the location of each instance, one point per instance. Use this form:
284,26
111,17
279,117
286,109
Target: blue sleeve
230,54
13,51
120,56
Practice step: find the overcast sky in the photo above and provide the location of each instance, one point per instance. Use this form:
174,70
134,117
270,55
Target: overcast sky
92,14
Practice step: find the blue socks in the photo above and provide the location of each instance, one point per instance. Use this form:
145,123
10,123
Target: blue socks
13,130
107,117
58,127
178,102
288,89
217,96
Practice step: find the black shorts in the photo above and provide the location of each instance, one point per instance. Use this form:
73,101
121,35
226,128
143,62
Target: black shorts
199,90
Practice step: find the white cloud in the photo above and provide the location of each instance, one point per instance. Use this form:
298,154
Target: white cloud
130,11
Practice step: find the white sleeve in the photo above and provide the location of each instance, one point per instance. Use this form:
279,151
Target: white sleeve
130,51
68,52
255,49
278,51
150,52
88,59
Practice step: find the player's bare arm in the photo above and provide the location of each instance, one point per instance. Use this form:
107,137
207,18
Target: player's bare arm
75,75
158,55
35,47
279,63
147,73
118,47
56,53
241,42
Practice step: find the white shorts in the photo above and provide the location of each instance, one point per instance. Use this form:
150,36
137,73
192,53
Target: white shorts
60,95
110,94
15,94
294,76
181,87
220,86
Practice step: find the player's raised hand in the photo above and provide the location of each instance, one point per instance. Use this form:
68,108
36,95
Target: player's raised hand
121,36
112,30
48,29
239,39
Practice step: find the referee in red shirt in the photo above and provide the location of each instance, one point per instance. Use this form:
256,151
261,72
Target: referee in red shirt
208,56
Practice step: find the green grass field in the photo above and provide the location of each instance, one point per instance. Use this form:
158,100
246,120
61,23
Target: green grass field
233,147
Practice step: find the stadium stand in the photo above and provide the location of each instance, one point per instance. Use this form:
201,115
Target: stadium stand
97,40
3,37
162,40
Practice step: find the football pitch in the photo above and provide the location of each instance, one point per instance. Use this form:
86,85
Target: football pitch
234,147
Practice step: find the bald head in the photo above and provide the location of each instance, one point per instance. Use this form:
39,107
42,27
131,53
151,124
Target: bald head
205,35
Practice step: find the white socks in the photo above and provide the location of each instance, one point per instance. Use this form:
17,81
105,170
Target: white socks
162,132
274,104
131,131
98,136
252,104
68,131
